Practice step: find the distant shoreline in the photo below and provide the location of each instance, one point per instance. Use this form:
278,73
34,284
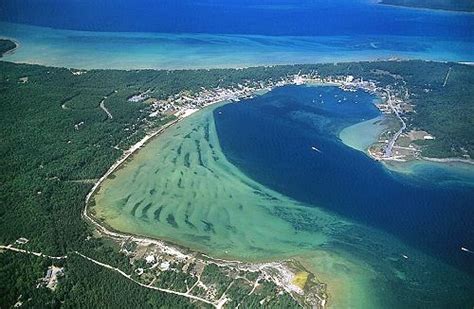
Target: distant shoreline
448,160
10,51
407,6
151,49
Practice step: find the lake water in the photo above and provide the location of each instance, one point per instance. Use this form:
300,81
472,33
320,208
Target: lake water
243,181
205,34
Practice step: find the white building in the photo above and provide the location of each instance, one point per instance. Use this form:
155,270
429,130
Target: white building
164,266
150,259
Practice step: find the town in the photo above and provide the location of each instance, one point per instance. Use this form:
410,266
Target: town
394,144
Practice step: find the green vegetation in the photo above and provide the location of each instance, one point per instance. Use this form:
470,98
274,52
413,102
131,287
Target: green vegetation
56,139
175,280
6,45
449,5
19,274
242,292
90,286
213,275
275,301
444,110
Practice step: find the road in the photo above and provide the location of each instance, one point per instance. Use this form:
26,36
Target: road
193,297
148,286
447,76
388,149
9,247
102,105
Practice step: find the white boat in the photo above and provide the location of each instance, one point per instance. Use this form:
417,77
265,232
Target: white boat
466,250
316,149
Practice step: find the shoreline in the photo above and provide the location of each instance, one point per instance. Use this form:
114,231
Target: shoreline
101,60
395,163
13,50
285,268
182,250
448,160
169,246
425,9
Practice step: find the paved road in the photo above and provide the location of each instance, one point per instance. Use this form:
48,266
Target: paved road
102,105
447,76
388,149
9,247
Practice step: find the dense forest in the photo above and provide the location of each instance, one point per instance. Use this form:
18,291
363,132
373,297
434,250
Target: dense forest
5,46
56,141
449,5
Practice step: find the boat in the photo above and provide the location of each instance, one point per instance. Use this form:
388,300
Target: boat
466,250
316,149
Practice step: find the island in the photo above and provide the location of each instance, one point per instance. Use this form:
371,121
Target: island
66,130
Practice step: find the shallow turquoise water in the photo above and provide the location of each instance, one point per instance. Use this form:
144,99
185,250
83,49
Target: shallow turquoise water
234,191
361,135
242,181
133,50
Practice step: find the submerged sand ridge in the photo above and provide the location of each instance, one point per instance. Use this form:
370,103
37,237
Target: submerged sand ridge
181,188
203,198
204,203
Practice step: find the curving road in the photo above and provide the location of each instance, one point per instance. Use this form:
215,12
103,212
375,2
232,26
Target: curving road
102,105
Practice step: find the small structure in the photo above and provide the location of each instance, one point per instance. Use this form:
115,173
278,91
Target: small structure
164,266
150,259
51,278
298,80
139,97
21,241
78,72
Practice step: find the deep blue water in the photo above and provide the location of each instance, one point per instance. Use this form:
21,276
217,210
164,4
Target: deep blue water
170,34
270,138
277,17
